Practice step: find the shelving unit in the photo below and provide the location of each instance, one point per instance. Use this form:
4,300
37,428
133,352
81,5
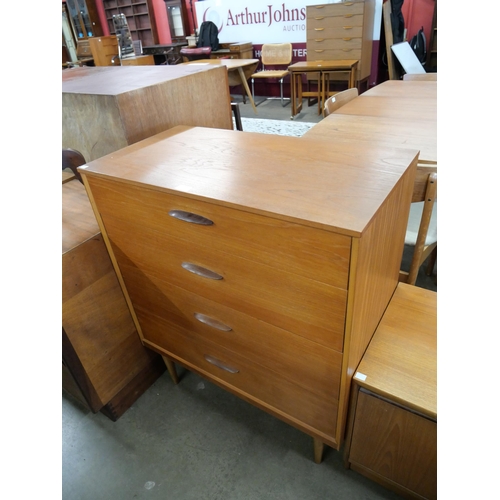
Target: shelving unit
141,24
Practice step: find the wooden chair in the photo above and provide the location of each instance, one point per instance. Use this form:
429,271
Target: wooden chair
421,77
339,99
71,158
278,56
421,232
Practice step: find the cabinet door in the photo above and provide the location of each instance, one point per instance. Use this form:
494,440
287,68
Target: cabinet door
177,20
395,445
84,19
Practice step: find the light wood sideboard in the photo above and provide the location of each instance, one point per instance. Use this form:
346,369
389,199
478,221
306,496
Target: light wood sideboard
105,109
257,263
392,431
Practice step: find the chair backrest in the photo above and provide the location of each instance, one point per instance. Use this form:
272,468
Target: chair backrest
71,158
421,77
422,228
276,54
339,99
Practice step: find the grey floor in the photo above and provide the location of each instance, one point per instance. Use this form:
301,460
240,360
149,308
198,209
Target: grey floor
195,441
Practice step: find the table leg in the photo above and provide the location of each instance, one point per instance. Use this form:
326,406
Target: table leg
247,89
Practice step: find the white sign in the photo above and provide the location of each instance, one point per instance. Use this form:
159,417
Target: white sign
257,21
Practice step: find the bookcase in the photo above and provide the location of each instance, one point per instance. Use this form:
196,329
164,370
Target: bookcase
140,18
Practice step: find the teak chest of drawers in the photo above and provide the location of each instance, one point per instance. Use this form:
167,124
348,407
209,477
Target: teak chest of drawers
342,31
263,263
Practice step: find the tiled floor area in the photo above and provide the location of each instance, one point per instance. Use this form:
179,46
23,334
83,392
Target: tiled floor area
195,441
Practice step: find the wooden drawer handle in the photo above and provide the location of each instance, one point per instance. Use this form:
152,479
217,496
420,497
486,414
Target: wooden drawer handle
319,50
189,217
201,271
319,39
347,16
347,4
347,27
319,29
207,320
346,39
220,364
319,6
319,18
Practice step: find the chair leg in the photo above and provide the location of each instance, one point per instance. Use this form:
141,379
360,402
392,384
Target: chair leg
237,115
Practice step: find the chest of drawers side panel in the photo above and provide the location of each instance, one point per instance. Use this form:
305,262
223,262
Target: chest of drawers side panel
375,265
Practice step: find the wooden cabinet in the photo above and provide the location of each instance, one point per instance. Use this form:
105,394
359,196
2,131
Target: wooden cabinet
342,31
104,364
266,277
105,50
140,18
178,22
84,19
105,109
234,50
392,434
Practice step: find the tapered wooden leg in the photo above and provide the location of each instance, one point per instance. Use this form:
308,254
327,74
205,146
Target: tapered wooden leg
318,450
171,369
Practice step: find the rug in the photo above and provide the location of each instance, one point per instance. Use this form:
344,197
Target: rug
277,127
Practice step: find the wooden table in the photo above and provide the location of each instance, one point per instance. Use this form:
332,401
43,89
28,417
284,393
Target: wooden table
394,113
238,71
324,68
397,100
393,416
105,109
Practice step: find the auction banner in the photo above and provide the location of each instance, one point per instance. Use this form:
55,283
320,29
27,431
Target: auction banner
257,21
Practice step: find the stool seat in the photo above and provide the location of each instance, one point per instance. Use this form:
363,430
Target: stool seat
198,51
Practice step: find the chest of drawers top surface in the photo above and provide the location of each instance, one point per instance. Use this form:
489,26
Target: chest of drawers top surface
338,187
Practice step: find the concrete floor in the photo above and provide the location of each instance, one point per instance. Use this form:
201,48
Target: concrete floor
195,441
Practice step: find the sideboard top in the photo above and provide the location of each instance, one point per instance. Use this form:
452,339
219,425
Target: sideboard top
111,80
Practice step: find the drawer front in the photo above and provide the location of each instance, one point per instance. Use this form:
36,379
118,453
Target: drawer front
240,375
337,9
319,24
306,363
305,307
310,252
333,54
334,43
335,32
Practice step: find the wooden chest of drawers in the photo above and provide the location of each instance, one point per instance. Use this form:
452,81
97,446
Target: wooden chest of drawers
341,31
263,263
